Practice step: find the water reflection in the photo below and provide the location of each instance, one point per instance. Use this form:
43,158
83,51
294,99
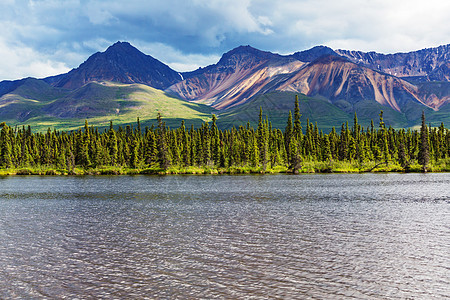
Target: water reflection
313,236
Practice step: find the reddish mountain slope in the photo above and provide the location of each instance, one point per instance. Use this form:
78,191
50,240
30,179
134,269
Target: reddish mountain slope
336,78
239,75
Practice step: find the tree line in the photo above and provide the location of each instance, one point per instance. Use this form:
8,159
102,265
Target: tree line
264,147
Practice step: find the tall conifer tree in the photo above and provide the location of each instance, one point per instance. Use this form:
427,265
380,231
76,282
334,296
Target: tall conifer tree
424,154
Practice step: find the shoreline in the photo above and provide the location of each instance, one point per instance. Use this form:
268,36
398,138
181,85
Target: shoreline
307,168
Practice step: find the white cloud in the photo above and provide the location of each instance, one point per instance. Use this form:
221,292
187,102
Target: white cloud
98,44
20,61
186,34
175,59
100,17
370,25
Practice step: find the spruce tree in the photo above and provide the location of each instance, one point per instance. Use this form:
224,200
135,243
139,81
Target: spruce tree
295,159
84,146
112,146
326,150
163,158
206,142
383,140
402,159
424,154
134,159
343,144
297,130
263,141
288,132
5,147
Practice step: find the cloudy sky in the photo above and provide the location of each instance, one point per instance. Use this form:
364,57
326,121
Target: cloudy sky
39,38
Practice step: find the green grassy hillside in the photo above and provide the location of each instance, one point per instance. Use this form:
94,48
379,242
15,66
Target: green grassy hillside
277,105
435,118
99,103
38,104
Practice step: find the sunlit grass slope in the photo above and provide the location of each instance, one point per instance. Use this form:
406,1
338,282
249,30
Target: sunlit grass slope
100,103
276,107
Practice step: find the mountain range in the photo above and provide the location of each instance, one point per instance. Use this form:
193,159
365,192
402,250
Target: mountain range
122,84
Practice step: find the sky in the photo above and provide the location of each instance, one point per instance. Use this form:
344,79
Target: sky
39,38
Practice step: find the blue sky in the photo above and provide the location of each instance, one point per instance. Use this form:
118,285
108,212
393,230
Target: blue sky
39,38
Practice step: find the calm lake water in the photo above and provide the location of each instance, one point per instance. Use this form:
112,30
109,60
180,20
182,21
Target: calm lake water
364,236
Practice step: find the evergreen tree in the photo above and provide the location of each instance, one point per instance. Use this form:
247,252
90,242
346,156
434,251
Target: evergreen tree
402,159
210,146
263,141
383,140
297,130
206,143
84,146
326,150
343,143
295,159
112,146
424,154
164,158
5,147
288,132
134,159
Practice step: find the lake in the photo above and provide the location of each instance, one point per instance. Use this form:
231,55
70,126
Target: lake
318,236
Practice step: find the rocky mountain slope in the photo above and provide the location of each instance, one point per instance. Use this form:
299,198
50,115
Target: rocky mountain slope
320,72
122,63
337,79
238,76
432,64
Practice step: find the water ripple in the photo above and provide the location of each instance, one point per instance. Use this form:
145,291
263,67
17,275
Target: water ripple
373,236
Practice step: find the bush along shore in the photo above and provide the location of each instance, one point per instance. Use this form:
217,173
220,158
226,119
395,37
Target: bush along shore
209,150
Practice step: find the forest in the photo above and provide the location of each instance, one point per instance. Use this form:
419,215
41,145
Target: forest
300,148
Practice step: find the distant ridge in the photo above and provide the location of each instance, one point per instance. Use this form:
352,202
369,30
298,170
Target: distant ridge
431,64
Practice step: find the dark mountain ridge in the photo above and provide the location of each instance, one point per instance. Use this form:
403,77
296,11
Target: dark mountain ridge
122,63
314,53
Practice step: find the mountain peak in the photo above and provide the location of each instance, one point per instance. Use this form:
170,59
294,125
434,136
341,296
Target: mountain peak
121,62
119,43
314,53
121,46
246,50
246,53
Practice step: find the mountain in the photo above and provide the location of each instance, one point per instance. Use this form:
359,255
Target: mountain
122,84
314,53
333,88
24,100
245,72
239,75
337,79
431,64
10,85
40,105
276,106
122,63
